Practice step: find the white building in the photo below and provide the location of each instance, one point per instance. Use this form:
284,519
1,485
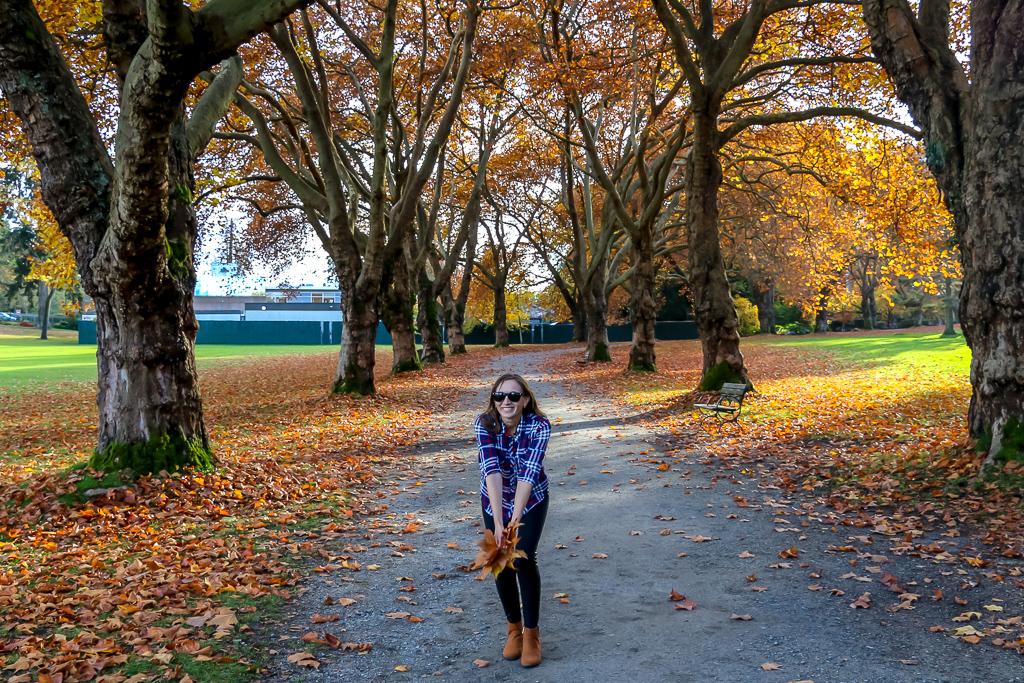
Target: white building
292,311
304,294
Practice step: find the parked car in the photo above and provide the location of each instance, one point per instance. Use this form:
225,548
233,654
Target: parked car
9,317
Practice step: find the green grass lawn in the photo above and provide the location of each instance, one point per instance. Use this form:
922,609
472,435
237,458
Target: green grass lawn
27,361
928,354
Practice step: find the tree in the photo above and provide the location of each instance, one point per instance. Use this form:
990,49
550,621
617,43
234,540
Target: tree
769,55
55,268
972,136
503,255
356,139
130,218
639,192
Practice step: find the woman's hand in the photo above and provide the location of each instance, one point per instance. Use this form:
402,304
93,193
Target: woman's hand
499,531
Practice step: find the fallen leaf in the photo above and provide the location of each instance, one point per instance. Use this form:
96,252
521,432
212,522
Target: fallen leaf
863,602
742,617
481,663
769,666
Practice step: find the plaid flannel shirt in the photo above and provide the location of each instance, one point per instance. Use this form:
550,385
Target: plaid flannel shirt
518,456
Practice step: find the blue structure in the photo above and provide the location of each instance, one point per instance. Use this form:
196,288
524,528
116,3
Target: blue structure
328,332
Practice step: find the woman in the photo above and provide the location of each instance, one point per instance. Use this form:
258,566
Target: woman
512,436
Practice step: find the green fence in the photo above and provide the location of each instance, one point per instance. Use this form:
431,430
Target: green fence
329,332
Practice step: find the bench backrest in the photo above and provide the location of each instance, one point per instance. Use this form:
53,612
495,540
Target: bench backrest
734,389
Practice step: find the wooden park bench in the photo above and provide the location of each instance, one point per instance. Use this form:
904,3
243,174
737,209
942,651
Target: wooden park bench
718,408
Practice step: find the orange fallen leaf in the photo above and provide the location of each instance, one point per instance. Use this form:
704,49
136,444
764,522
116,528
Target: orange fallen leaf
863,602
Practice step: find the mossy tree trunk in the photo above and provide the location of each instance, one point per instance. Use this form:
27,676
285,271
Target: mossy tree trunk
642,310
397,299
714,309
357,355
974,136
428,322
595,306
130,219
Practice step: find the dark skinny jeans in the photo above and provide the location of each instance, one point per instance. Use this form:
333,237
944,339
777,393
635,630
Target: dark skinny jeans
525,569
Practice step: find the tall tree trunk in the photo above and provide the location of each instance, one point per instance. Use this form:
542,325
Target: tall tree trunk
427,321
973,136
595,306
713,307
867,306
45,296
131,223
357,354
397,298
642,311
821,311
579,321
948,300
456,339
150,409
456,336
764,298
500,316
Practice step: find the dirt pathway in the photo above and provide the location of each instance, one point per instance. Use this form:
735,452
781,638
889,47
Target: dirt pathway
661,530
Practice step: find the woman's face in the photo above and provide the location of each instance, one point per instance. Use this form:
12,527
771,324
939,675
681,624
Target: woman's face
510,411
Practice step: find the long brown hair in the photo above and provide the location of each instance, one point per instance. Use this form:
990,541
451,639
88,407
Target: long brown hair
490,418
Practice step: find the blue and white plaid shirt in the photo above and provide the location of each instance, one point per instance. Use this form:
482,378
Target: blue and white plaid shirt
517,457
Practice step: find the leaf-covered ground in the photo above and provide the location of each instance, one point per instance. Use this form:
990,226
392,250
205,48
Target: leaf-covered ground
872,425
160,579
154,579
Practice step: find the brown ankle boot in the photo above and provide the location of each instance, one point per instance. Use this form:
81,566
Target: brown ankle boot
514,646
531,647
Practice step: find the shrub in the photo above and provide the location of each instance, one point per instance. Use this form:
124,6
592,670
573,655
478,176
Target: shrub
786,314
794,328
747,313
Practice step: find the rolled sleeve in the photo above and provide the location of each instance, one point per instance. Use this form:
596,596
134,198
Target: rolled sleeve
487,450
532,463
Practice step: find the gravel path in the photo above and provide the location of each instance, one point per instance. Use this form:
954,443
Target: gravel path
662,530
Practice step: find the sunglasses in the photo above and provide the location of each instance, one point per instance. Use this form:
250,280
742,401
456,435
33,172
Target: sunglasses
499,396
